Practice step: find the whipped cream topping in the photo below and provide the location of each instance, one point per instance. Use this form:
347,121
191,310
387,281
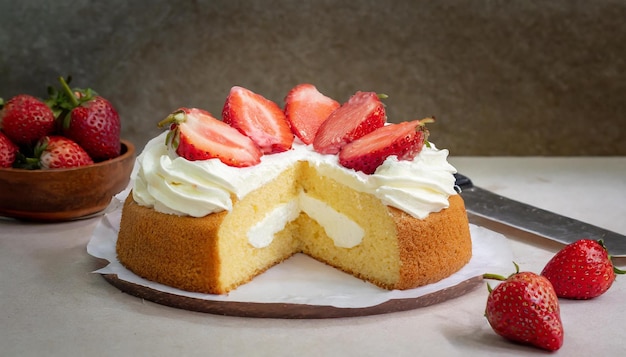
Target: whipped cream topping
171,184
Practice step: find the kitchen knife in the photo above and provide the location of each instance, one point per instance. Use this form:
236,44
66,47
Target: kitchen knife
494,207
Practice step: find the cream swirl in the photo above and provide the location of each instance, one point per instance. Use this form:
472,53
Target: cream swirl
417,187
171,184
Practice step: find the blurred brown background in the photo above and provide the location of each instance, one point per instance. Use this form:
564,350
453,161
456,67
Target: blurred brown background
501,77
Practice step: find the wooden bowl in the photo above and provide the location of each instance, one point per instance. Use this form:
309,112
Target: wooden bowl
64,194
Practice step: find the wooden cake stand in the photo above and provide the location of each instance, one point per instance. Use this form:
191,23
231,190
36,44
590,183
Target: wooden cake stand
289,310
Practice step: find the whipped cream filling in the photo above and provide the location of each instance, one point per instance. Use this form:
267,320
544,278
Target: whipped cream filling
171,184
340,228
345,232
261,234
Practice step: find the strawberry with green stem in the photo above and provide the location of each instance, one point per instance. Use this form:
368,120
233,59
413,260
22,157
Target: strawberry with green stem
88,119
525,308
58,152
581,270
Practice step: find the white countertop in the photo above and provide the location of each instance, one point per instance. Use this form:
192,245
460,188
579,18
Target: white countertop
51,304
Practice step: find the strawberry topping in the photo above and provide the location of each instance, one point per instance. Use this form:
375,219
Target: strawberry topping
306,109
258,118
253,126
361,114
197,135
405,140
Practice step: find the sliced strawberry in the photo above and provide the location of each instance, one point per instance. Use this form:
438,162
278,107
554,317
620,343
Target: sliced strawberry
306,109
58,152
361,114
405,140
197,135
258,118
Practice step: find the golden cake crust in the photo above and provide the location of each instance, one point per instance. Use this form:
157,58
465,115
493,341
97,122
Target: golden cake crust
169,249
433,248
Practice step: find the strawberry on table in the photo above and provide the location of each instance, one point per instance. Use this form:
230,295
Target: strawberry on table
360,115
581,270
306,109
405,140
524,308
58,152
196,135
8,151
259,118
26,119
88,119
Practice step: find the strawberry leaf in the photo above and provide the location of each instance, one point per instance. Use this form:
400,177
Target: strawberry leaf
63,101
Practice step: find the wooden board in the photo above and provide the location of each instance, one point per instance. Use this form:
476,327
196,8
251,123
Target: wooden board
289,311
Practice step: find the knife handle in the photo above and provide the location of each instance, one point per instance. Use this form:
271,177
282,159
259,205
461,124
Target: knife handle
463,181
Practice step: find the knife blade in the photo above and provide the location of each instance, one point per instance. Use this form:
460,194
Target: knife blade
493,207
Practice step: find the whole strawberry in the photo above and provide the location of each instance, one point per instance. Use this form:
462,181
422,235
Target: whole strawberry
26,119
581,270
524,308
8,151
88,119
57,152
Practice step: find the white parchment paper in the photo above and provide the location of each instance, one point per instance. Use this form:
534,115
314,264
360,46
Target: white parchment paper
303,280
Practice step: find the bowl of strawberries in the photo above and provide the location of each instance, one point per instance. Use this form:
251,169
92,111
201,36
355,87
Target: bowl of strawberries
61,158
